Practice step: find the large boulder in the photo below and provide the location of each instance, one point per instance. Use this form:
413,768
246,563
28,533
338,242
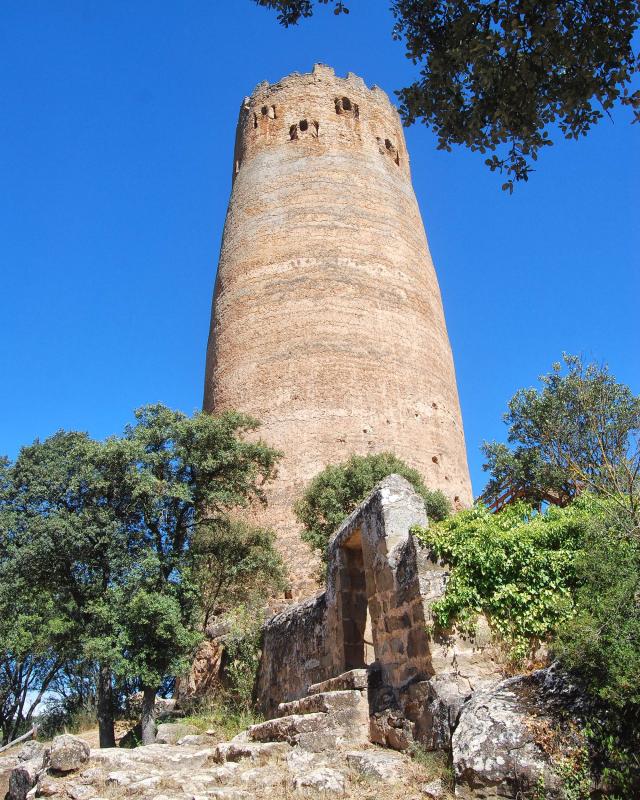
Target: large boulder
68,753
23,778
508,737
31,750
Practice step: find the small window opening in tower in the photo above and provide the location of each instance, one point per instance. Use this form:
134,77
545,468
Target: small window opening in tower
392,150
255,120
345,106
293,132
304,125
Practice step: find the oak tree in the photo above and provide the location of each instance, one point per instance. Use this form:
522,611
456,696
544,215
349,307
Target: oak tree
503,76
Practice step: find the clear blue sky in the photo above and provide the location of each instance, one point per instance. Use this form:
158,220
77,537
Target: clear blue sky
117,122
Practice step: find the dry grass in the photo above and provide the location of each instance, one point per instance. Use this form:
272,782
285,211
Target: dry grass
224,722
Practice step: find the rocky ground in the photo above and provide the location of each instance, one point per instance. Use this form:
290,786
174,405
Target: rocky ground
197,768
507,741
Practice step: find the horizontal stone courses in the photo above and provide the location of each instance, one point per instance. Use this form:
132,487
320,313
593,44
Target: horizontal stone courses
327,305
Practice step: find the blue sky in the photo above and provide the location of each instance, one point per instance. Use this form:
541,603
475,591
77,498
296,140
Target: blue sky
117,123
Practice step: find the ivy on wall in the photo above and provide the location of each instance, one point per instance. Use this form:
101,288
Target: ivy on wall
517,567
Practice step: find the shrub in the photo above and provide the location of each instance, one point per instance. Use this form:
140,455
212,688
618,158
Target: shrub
601,642
336,491
242,647
517,567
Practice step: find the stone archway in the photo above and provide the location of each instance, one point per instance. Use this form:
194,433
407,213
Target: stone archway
354,627
372,569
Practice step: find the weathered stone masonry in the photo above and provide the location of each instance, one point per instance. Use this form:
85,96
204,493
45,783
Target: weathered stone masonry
418,681
327,322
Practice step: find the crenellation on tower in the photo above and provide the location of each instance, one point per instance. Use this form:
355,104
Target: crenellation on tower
327,323
320,108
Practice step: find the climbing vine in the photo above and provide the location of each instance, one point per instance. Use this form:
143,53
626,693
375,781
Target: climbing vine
517,567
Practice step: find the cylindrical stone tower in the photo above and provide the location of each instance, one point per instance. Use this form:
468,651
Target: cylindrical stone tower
327,321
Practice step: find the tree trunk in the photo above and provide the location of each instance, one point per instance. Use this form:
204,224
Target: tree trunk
106,730
148,714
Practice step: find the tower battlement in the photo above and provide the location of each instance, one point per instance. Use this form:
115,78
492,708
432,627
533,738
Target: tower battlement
319,113
327,323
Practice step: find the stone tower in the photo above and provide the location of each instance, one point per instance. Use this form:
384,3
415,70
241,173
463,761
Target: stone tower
327,321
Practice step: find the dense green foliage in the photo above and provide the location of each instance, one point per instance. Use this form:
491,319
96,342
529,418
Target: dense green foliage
569,577
185,471
499,75
336,491
601,642
579,431
61,547
235,564
518,568
98,573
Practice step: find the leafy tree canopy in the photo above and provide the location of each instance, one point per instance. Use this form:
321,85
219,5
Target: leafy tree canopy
96,541
235,564
336,491
601,642
580,430
60,549
499,76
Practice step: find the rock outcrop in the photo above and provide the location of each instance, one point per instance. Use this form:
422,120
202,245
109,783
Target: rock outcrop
507,743
509,739
241,769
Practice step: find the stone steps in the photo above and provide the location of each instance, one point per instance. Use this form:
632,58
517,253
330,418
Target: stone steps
323,702
351,680
335,712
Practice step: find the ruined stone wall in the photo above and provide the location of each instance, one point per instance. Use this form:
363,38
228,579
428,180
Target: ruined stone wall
295,654
374,565
327,323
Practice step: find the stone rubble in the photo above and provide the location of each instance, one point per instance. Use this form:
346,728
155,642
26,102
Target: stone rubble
236,770
434,790
497,750
385,766
324,779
